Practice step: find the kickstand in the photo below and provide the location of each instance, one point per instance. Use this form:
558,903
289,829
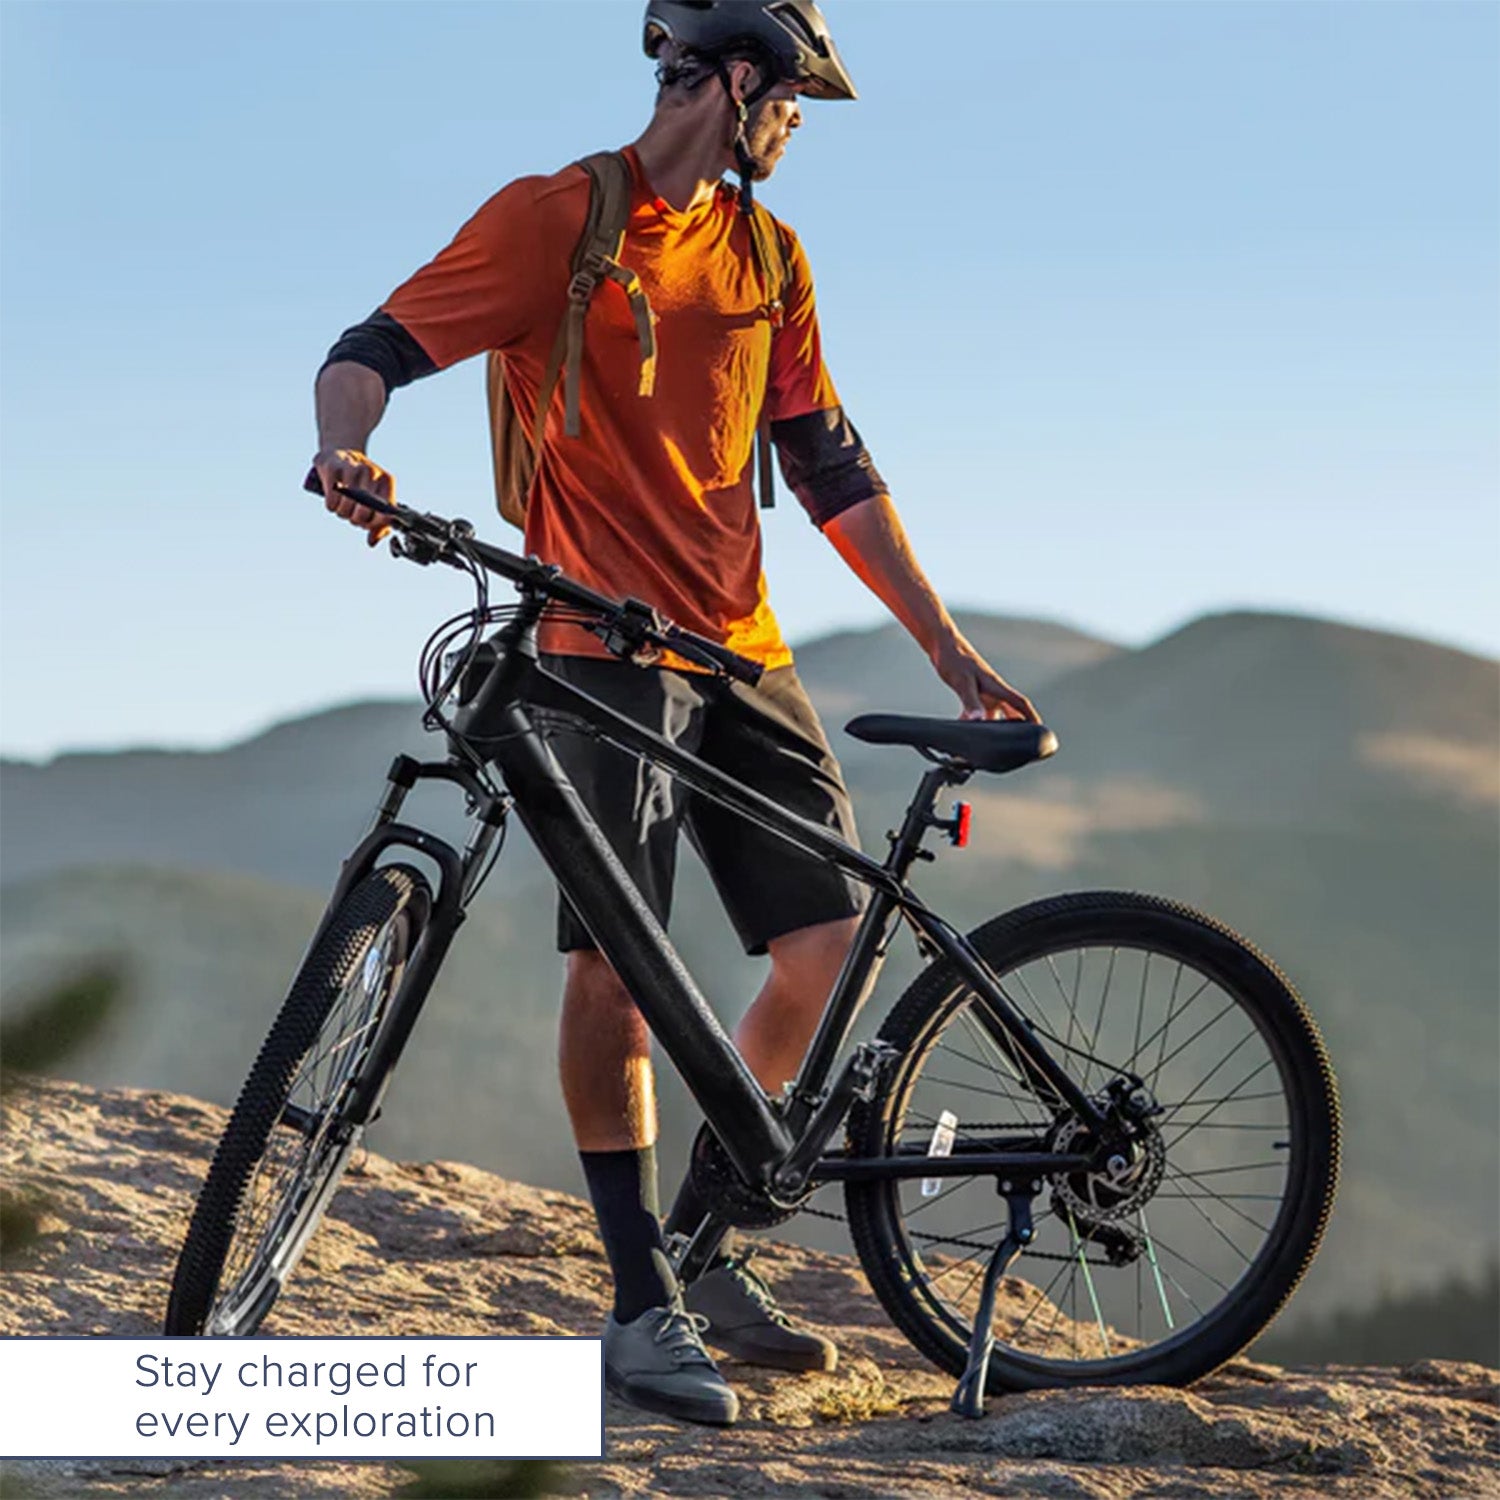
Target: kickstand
968,1398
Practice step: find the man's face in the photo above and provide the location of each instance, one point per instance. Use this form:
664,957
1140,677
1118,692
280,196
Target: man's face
770,127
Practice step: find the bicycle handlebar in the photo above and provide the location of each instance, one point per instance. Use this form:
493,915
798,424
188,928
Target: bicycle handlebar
630,622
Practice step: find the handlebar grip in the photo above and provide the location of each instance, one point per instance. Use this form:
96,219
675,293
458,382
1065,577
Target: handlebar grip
741,668
314,486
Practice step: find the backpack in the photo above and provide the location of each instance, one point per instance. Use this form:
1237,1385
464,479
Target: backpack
514,450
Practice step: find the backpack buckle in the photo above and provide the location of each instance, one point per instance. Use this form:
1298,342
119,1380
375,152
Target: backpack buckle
586,278
776,313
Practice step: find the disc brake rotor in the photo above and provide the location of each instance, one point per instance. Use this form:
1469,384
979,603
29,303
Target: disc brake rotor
1129,1180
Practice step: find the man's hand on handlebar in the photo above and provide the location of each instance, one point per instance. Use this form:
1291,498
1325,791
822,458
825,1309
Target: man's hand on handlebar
350,468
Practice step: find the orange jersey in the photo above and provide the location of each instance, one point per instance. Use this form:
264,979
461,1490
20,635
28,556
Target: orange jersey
654,498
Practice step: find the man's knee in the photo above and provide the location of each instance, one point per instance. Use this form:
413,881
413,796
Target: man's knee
593,989
813,949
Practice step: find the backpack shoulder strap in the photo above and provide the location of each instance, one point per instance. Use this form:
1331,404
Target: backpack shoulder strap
772,259
596,257
774,266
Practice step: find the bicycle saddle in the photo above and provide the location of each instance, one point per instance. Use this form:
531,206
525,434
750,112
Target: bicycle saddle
984,744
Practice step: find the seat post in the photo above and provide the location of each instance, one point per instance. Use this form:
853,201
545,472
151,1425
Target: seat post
906,845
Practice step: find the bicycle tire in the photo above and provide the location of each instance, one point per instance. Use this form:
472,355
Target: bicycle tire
1083,1217
242,1246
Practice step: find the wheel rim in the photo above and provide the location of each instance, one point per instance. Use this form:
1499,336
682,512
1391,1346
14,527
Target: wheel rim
1225,1159
310,1143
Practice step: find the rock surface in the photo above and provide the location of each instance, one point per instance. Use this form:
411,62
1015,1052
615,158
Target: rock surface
440,1248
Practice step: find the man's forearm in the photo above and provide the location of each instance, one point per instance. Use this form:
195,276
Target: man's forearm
350,401
872,540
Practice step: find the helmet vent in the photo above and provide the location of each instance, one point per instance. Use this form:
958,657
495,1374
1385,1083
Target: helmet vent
793,19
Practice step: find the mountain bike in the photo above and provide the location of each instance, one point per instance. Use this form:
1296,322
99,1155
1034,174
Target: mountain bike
1112,1093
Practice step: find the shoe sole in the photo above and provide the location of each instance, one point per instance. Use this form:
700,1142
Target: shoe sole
813,1362
665,1406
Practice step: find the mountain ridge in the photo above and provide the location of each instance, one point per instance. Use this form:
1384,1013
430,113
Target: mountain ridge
972,621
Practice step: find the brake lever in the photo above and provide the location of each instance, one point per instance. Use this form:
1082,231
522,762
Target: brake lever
629,632
416,549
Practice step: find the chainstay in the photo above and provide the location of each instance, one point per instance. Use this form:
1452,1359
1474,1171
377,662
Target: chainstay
945,1239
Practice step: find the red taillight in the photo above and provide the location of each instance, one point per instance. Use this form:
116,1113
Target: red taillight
964,816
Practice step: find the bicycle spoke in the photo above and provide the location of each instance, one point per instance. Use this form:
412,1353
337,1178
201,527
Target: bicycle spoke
1187,1261
1041,1297
1208,1114
1027,1101
1168,1110
1140,1004
1189,1197
1173,1014
1072,1005
1089,1283
941,1196
984,1040
974,1088
1182,1047
1249,1166
1208,1219
1161,1291
1109,979
962,1238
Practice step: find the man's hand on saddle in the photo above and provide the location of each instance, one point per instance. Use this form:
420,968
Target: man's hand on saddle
350,467
984,693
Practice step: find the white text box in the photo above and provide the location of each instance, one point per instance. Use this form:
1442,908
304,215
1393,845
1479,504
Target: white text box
301,1398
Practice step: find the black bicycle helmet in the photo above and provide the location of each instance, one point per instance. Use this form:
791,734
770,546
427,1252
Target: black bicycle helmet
792,32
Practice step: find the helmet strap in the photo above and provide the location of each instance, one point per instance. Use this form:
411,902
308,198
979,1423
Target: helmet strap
743,159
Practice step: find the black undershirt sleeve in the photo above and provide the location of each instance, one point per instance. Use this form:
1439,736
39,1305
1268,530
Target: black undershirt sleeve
381,344
825,463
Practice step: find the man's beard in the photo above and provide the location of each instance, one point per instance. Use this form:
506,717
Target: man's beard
761,138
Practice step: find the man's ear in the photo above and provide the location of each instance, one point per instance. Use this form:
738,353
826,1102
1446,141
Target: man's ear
744,78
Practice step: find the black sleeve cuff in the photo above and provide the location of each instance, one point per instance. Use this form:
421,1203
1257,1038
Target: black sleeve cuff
381,344
825,463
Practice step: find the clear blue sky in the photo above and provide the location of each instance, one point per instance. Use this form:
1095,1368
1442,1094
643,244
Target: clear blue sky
1145,310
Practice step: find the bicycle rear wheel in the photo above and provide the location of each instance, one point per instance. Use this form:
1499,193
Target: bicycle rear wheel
1170,1262
288,1140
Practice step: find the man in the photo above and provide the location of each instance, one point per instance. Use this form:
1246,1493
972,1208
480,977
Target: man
653,498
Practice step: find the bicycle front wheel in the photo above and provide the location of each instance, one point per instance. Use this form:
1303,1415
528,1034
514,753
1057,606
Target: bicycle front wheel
1169,1261
288,1140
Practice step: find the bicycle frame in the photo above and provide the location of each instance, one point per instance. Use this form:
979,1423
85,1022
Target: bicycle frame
779,1149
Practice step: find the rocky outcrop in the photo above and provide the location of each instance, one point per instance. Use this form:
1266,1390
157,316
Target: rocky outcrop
439,1248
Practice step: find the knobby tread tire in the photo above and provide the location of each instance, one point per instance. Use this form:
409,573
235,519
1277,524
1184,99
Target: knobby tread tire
327,969
1009,939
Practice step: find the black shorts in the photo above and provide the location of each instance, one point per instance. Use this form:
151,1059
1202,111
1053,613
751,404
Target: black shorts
767,737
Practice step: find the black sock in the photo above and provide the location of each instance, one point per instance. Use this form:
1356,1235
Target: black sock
622,1185
689,1211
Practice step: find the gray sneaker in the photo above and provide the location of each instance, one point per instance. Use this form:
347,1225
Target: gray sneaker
658,1362
744,1320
